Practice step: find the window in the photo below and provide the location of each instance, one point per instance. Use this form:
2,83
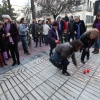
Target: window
89,19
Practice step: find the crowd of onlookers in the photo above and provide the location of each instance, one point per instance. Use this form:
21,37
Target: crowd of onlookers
60,31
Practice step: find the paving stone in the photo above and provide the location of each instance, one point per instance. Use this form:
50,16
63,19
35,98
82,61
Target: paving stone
40,80
54,98
25,91
72,89
19,92
52,85
30,97
36,95
80,98
24,98
27,86
2,97
9,96
14,94
67,96
43,95
45,90
1,92
60,96
9,86
31,84
20,78
68,93
16,80
27,75
12,82
4,87
74,86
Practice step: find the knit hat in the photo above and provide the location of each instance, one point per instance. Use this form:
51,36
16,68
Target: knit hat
6,16
54,24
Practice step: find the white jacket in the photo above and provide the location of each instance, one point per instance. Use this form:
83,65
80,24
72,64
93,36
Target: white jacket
45,29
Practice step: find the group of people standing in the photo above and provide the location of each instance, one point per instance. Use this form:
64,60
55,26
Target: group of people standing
83,40
9,40
57,33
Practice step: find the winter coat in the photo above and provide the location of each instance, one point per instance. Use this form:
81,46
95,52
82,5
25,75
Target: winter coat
52,37
82,27
65,51
2,44
38,28
87,41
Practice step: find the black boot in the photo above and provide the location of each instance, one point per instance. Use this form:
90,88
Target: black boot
36,45
66,73
14,63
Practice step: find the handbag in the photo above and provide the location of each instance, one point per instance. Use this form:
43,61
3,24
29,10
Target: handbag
56,60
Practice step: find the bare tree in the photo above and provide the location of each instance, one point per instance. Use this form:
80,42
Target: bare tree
33,9
55,7
10,9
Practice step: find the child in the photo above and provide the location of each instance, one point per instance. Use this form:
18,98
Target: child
88,38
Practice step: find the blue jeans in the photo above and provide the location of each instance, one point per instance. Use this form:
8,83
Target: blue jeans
97,43
65,64
24,43
45,39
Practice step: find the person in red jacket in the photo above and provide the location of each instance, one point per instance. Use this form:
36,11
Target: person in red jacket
65,30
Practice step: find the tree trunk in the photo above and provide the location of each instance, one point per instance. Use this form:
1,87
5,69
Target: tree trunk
10,10
54,16
33,9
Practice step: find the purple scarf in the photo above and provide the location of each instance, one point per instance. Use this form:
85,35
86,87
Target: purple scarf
6,29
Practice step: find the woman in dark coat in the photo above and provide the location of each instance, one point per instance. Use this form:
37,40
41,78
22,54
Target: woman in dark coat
79,27
11,38
2,44
88,39
53,37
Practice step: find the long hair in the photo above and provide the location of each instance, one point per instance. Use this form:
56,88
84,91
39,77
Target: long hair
96,20
93,31
76,44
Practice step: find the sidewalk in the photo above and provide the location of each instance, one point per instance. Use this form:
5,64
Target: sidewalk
38,79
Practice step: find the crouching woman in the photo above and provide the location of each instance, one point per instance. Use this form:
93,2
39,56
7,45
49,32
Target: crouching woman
63,52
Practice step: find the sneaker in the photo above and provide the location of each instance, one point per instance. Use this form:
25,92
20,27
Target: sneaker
66,73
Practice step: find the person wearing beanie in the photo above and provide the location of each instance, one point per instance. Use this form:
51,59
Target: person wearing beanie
53,37
11,38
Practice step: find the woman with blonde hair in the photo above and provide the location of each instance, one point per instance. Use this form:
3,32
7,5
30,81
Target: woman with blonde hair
88,38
